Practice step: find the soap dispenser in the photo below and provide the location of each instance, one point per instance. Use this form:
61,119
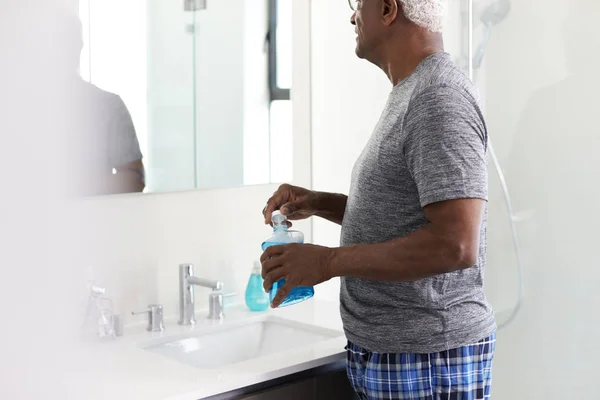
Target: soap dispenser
256,297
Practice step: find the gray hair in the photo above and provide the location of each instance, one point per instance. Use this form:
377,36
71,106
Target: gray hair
428,14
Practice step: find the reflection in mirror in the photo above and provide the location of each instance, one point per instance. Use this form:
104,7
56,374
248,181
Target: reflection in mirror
192,94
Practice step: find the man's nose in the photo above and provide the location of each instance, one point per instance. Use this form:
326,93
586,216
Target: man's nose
353,19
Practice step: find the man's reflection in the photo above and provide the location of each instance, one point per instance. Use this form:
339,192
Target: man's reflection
102,154
114,156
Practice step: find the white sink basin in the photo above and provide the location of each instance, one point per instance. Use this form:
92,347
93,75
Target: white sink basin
235,343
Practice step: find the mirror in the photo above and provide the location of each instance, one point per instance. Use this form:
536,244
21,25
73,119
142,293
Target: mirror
195,92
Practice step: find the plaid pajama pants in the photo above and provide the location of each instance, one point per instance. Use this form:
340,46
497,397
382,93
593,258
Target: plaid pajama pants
464,373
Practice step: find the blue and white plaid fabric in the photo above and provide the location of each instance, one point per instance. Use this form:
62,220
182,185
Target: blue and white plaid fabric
458,374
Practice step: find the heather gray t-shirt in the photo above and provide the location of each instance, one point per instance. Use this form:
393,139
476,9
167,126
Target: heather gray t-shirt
107,127
429,146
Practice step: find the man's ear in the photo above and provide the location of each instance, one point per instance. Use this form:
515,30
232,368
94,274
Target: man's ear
390,10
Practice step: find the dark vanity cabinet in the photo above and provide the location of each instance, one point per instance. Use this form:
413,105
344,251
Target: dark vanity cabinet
324,383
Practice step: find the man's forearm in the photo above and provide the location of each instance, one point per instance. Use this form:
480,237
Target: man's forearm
421,254
331,206
130,178
128,181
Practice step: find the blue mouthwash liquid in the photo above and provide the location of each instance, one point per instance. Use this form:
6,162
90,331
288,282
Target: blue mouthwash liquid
282,236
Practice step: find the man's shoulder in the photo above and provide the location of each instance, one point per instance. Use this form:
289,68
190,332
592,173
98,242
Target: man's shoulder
97,95
440,75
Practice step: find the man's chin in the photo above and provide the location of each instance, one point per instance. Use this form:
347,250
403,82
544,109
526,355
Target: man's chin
359,52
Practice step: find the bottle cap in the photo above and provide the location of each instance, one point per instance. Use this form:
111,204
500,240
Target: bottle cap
277,217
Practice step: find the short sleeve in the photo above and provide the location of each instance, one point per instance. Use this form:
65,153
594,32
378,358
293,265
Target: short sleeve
123,147
445,146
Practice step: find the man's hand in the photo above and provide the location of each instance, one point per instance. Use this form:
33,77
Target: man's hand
294,202
299,264
297,203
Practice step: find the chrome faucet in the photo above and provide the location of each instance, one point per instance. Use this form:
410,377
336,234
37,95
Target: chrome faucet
154,313
187,280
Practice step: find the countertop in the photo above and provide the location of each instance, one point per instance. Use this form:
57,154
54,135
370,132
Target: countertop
121,369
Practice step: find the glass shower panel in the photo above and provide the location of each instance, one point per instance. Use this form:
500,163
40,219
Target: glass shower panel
220,109
536,64
171,72
232,108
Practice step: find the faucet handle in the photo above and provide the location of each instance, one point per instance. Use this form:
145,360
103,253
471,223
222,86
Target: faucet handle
216,304
155,317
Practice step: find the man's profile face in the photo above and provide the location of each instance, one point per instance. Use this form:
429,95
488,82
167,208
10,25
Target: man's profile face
366,22
370,29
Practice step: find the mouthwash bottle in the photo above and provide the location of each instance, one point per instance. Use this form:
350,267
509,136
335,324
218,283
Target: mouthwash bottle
282,236
256,298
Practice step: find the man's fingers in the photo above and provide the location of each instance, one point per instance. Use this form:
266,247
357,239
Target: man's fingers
288,209
270,252
274,275
282,293
269,265
296,210
283,195
272,205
